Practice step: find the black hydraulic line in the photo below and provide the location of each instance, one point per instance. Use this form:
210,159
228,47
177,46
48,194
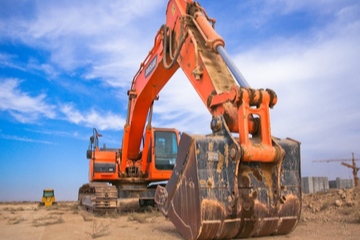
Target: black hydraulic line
166,65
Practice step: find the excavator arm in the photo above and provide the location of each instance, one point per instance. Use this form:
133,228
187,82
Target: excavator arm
189,41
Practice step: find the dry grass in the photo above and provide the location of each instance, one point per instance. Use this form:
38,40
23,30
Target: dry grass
137,217
99,230
15,220
143,217
325,206
75,208
47,220
52,208
347,211
87,217
112,214
57,213
13,209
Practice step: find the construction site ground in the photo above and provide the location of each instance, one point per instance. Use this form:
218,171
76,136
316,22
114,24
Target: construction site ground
332,215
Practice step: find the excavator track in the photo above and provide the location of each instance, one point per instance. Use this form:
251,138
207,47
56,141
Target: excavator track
98,197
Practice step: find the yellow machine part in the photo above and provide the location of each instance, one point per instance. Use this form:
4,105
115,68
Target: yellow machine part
48,198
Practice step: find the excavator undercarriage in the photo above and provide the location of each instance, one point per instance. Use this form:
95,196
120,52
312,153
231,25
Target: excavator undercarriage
98,197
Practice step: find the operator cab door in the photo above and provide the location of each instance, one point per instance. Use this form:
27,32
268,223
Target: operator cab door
166,146
164,150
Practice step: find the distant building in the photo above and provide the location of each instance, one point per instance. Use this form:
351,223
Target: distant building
314,184
341,183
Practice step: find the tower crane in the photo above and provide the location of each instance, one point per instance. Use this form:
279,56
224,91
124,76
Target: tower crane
352,166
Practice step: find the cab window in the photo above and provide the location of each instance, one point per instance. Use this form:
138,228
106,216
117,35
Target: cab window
166,148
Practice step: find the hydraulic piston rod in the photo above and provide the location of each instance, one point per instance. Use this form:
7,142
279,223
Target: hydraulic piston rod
232,67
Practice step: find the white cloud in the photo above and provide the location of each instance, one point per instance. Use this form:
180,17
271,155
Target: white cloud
23,139
321,7
330,53
29,109
103,36
21,105
316,79
85,18
92,118
7,60
180,107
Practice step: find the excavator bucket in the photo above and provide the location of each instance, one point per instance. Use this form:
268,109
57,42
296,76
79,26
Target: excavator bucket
212,194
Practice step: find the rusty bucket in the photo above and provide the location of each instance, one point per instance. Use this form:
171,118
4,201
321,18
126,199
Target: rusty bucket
212,194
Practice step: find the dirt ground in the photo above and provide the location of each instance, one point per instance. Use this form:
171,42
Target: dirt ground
334,215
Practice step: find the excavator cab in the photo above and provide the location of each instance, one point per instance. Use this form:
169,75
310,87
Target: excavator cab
159,154
166,146
153,167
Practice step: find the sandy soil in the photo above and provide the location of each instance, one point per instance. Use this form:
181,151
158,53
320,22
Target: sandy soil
335,215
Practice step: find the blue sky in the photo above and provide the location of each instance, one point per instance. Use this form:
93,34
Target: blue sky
65,67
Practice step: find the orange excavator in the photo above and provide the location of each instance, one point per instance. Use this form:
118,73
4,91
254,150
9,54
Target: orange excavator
237,181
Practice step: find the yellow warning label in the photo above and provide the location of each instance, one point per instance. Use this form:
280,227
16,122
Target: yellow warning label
173,9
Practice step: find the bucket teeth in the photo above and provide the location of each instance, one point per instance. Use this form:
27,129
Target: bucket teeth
212,195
